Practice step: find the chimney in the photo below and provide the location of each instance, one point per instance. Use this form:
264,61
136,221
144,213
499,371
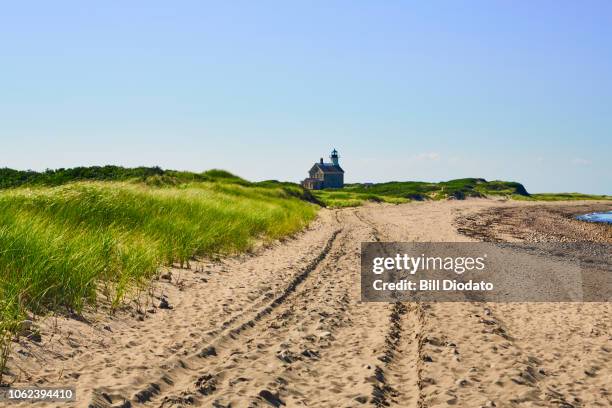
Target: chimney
321,160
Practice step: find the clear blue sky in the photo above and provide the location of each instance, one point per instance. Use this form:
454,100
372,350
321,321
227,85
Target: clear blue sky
404,90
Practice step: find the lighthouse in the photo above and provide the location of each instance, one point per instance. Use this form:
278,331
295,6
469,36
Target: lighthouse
325,175
334,157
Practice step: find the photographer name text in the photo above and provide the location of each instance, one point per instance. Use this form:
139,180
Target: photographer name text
413,264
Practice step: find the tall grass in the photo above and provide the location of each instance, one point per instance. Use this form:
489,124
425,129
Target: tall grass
404,191
61,247
340,198
564,197
15,178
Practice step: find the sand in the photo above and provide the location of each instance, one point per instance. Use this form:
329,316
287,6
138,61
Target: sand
284,326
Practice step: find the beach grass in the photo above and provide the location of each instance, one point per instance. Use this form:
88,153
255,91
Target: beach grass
345,198
564,197
63,247
405,191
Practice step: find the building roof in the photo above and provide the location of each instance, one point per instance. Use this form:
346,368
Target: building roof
328,168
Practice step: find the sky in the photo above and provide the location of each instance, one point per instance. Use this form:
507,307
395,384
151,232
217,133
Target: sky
405,90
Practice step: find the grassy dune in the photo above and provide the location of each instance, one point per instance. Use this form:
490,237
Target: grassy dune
62,247
565,197
398,192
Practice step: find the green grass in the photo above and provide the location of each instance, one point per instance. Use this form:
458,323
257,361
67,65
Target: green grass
398,192
63,247
564,197
10,178
346,198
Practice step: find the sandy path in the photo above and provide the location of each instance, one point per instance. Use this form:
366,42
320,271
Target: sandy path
285,321
285,326
506,355
316,347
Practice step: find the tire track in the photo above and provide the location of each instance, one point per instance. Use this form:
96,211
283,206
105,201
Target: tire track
205,382
231,354
404,338
320,295
263,340
230,329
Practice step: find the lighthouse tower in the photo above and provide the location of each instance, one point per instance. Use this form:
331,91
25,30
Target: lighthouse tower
334,157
